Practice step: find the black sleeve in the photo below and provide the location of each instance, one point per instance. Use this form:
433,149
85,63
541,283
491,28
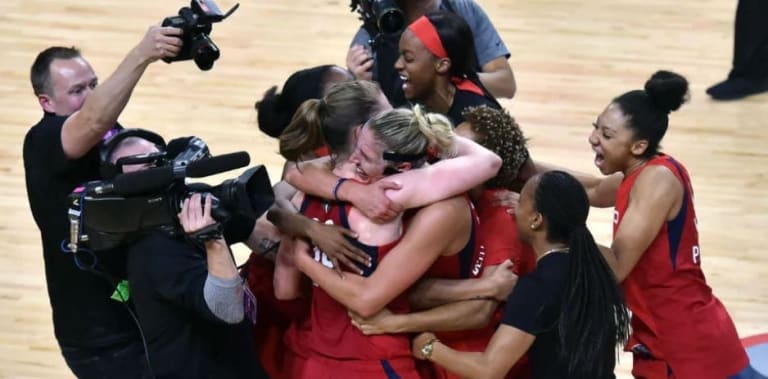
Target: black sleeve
46,143
175,270
527,307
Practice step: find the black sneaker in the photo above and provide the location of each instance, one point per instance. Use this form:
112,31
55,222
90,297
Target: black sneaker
736,88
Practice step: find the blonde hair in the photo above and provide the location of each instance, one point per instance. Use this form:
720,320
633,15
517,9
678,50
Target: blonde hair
412,131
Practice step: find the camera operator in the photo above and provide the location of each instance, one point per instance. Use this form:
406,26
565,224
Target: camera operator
362,59
188,294
96,334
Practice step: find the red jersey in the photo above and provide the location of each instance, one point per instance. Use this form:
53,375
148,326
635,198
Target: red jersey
493,239
273,317
498,235
675,316
328,335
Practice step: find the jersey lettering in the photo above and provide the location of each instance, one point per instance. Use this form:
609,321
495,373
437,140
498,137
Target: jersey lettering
320,255
479,261
696,254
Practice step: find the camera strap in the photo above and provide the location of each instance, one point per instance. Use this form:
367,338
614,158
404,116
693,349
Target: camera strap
208,233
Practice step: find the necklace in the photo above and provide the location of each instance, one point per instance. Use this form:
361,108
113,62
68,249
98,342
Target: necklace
550,251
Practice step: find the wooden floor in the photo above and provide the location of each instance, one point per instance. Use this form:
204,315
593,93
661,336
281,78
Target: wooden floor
570,58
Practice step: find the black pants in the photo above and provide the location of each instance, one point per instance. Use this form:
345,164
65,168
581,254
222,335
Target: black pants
750,51
123,360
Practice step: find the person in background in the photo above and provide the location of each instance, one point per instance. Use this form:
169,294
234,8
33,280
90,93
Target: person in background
377,63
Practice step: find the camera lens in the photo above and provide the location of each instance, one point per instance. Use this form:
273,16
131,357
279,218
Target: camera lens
391,21
389,18
204,52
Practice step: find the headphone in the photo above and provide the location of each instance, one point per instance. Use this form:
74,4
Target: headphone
109,170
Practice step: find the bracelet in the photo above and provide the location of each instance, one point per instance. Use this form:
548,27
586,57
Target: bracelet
336,188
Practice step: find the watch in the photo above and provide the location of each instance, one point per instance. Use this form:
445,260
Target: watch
426,350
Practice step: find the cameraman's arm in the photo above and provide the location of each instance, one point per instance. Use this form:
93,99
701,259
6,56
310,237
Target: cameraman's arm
222,291
223,288
84,128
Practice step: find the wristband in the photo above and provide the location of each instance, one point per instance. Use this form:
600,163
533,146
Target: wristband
336,188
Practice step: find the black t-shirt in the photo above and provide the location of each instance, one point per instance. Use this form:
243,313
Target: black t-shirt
534,307
185,339
462,100
83,313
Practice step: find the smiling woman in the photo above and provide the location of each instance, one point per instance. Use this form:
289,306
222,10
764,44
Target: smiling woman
437,65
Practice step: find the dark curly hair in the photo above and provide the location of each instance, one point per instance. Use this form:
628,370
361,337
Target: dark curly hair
497,131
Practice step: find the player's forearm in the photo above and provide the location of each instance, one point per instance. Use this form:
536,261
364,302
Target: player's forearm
349,291
430,293
461,315
289,223
312,177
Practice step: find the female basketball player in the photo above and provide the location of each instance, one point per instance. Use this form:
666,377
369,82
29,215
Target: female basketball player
679,328
438,66
468,325
275,110
568,311
393,142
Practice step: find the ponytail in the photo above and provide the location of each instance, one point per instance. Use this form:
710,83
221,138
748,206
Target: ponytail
436,128
594,320
412,132
272,119
304,133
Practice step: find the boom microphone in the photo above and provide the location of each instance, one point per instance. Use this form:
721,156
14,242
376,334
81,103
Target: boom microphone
217,164
155,179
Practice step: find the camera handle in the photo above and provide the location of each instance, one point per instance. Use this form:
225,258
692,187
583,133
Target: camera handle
373,42
230,11
74,229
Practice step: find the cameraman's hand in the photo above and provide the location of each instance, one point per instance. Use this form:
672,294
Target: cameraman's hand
159,42
359,62
194,217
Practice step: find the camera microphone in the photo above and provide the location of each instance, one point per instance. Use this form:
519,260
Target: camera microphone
217,164
155,179
137,182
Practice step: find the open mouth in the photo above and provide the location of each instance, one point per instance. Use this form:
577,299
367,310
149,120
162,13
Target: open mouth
405,81
599,159
361,174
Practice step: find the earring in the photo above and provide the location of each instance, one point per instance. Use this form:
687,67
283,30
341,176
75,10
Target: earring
533,227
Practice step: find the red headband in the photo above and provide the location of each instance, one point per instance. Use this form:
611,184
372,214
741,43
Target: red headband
427,34
423,29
